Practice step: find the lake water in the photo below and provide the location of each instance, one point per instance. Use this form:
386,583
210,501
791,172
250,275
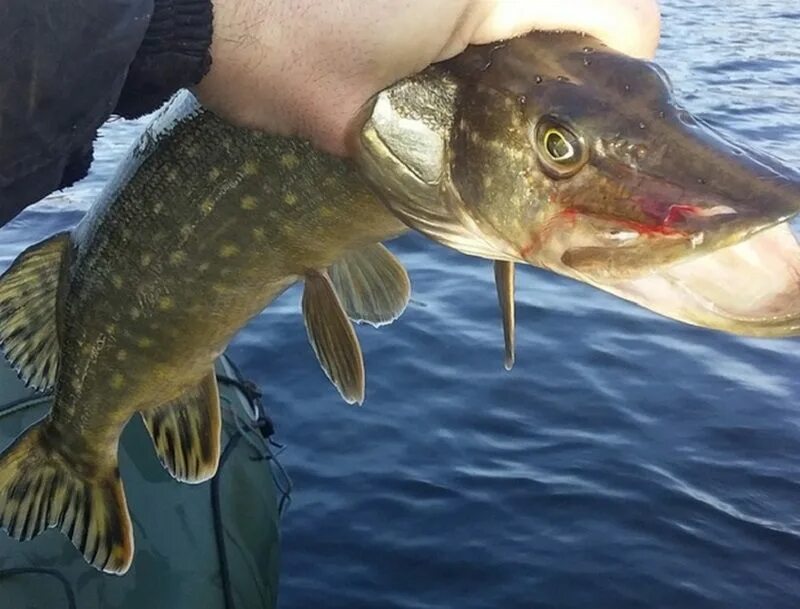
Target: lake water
627,461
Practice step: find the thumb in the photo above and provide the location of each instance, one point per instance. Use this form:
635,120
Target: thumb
629,26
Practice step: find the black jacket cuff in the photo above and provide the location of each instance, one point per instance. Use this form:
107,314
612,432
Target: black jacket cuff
175,54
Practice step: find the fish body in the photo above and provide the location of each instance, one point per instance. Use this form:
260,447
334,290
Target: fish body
205,225
210,229
531,151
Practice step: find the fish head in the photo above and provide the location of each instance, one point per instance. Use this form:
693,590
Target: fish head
567,155
581,160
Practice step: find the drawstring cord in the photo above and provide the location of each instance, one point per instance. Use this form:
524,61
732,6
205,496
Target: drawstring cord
256,429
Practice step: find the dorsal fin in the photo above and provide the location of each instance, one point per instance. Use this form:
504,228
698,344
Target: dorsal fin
29,302
186,432
332,337
372,285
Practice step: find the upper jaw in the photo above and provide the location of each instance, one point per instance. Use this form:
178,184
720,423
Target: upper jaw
619,223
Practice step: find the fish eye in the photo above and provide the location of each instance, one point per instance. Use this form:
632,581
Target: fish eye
561,152
557,146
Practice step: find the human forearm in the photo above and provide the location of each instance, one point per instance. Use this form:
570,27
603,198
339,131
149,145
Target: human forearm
174,54
293,67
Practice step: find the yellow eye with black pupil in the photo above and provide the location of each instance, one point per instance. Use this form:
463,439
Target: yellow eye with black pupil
560,150
558,147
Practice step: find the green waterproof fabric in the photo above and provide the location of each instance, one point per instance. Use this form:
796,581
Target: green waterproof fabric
177,561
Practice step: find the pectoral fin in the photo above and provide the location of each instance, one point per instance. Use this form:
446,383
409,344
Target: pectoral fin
29,297
504,281
332,337
372,285
186,432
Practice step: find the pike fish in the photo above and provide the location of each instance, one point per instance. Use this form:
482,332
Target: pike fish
550,150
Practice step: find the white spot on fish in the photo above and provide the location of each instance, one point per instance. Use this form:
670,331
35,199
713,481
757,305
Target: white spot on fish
166,303
117,381
228,250
177,257
289,160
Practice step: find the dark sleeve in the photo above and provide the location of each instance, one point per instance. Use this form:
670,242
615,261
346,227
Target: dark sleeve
67,65
173,55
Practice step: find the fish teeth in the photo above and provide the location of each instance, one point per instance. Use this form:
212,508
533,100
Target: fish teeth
622,235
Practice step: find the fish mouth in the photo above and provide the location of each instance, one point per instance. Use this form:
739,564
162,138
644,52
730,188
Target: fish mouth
728,263
750,288
659,223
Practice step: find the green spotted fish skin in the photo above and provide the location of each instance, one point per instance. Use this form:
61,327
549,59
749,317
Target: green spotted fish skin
208,232
204,226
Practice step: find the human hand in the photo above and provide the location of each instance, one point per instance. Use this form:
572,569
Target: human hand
306,67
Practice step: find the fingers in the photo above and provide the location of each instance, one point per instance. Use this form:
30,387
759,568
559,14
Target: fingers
630,26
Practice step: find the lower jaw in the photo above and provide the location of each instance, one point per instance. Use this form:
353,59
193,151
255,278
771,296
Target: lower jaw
751,288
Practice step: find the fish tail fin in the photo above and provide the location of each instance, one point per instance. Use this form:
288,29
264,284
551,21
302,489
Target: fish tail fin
40,488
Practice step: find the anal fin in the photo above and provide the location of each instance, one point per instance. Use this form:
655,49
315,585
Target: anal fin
332,337
29,299
186,432
40,488
372,285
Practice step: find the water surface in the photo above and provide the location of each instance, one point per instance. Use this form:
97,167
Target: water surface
627,461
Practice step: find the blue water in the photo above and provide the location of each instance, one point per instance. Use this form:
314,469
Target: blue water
627,461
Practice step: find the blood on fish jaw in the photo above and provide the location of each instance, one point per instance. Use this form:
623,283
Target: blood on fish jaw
680,213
